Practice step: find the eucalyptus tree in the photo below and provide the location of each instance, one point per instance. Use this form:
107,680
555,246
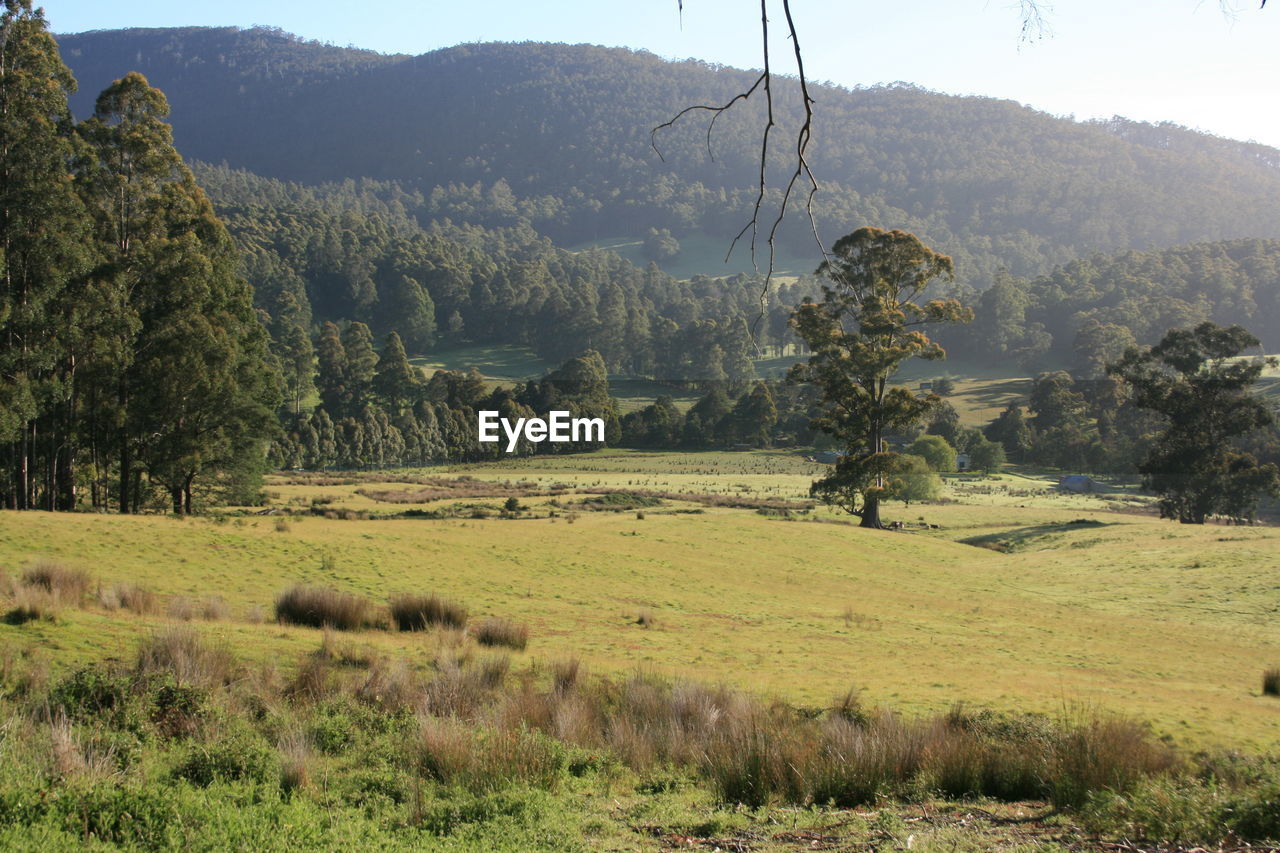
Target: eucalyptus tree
42,254
868,323
194,387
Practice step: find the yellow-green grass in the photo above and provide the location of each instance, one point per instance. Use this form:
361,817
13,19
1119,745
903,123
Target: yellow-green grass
1171,623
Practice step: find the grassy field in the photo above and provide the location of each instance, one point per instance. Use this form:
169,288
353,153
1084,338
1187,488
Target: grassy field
1019,598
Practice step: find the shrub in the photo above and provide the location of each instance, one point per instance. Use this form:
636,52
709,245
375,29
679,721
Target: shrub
70,585
177,710
240,755
95,693
321,606
1271,682
501,632
420,612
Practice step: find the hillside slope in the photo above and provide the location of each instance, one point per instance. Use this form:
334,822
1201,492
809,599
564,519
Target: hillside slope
558,136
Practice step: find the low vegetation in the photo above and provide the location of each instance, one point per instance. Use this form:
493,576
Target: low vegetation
136,755
502,632
420,612
321,607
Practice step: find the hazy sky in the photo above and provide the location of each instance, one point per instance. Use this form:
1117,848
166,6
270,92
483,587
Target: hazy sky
1179,60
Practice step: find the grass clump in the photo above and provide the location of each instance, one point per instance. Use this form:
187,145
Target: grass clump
319,607
128,596
1271,682
421,612
502,632
179,651
69,584
484,759
31,602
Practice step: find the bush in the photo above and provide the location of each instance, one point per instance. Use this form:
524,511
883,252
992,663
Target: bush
240,755
420,612
321,606
500,632
94,693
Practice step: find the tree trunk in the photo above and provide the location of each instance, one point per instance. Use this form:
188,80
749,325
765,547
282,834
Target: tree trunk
126,475
175,493
871,514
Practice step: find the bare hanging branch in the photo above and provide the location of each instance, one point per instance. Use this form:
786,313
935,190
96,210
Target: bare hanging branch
802,174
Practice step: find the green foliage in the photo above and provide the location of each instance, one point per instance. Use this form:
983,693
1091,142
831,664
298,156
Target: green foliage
934,450
986,456
914,479
970,175
1195,380
238,755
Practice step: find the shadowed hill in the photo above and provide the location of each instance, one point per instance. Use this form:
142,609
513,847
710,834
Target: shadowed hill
557,136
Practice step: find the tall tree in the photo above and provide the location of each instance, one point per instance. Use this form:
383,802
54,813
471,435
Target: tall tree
1195,378
868,323
198,391
41,251
396,382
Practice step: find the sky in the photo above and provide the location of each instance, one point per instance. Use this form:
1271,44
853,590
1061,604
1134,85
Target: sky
1187,61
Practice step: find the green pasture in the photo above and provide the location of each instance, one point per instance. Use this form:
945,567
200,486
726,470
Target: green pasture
1017,598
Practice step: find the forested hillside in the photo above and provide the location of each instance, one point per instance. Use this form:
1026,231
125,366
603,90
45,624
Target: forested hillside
1087,312
556,137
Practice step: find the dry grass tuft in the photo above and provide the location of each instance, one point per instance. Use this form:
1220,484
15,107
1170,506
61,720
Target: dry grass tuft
565,674
73,756
124,595
181,652
501,632
295,762
321,606
420,612
213,608
390,685
32,602
70,585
